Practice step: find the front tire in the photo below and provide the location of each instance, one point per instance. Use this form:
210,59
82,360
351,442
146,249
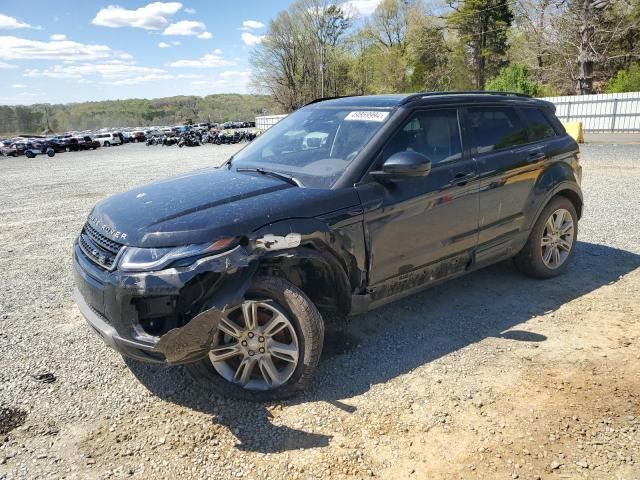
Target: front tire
552,242
288,333
107,144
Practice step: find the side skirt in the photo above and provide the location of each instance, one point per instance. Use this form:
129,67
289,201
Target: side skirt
426,277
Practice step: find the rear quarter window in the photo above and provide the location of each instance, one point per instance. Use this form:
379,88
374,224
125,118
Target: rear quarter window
538,125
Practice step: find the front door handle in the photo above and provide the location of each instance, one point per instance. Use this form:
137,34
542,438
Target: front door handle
462,178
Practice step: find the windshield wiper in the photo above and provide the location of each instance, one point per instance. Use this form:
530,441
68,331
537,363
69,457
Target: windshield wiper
281,176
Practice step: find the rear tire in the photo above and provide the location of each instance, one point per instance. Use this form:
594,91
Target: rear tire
308,326
537,257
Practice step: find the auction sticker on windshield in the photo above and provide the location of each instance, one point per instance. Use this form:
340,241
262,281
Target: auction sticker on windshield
367,116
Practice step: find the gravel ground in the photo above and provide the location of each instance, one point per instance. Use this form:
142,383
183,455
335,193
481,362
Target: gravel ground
492,375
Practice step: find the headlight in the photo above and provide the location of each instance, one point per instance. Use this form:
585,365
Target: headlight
148,259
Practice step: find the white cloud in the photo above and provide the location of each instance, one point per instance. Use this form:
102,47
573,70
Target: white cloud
152,77
190,10
205,36
21,48
58,37
252,25
210,60
18,85
20,98
251,39
174,43
185,28
11,23
7,66
363,7
110,73
235,74
153,16
228,81
107,71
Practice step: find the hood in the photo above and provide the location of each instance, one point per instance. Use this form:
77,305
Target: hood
209,204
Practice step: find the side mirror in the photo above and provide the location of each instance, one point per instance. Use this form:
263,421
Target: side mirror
404,164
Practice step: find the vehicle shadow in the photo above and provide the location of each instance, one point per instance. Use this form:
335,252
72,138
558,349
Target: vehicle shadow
424,327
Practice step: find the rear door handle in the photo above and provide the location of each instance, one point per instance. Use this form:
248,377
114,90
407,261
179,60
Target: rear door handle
536,156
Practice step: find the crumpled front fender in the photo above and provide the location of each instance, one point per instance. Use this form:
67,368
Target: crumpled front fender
193,341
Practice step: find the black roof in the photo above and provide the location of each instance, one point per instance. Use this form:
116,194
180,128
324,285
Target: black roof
431,98
371,101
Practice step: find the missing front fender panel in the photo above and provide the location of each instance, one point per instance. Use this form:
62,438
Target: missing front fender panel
193,340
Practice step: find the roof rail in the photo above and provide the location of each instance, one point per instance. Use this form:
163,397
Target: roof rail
322,99
417,96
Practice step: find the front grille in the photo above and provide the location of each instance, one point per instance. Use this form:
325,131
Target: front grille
104,242
98,248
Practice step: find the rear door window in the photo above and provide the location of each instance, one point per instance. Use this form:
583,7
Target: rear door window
496,128
538,125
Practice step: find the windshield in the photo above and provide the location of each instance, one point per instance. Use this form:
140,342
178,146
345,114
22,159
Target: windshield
315,145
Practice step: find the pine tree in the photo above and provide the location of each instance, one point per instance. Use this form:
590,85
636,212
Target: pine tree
482,26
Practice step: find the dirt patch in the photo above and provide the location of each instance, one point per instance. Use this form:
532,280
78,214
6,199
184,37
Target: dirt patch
11,418
568,407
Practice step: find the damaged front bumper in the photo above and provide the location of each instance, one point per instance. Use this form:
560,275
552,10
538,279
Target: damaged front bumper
132,348
167,316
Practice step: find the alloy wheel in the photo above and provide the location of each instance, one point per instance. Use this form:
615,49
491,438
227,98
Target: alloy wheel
255,347
557,239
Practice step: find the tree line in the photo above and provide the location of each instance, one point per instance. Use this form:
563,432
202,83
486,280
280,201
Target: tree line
317,48
132,113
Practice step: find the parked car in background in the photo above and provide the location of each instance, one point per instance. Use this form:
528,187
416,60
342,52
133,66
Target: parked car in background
138,136
9,150
63,143
4,146
15,149
87,143
33,149
108,139
59,145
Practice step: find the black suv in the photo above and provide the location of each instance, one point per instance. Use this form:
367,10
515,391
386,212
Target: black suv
342,206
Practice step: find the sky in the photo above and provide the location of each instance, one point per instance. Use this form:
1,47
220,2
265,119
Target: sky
61,51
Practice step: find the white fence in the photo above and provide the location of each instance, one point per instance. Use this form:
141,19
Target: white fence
268,121
607,112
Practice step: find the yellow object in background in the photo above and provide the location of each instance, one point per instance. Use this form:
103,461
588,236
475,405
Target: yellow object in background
575,130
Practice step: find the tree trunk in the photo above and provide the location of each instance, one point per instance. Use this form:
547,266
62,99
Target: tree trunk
480,74
584,84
